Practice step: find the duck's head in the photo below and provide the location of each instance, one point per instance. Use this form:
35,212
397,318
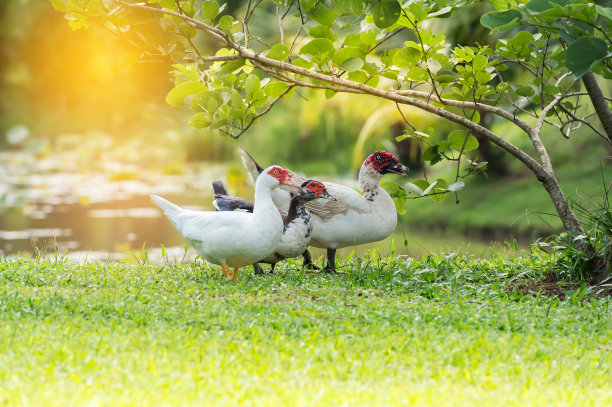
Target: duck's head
383,162
312,189
276,175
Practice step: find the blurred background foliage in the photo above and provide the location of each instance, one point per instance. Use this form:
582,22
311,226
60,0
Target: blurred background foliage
63,90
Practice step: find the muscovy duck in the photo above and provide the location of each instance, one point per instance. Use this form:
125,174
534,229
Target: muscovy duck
297,221
353,218
234,239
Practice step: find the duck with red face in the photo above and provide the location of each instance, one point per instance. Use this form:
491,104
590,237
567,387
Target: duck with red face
353,218
235,239
297,221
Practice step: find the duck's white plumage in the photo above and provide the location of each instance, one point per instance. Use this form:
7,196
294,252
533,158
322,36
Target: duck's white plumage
356,221
353,218
233,238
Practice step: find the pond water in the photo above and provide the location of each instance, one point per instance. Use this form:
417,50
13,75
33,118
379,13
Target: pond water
108,215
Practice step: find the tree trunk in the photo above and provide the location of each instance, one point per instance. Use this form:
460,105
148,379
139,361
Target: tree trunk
599,102
570,223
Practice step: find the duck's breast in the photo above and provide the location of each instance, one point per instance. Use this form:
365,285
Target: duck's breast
295,239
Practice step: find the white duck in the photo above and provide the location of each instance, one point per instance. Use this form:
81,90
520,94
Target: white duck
297,221
353,218
234,239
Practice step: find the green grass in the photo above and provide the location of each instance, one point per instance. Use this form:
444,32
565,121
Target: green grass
395,331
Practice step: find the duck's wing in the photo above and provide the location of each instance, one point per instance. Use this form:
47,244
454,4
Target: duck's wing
203,225
346,199
251,165
225,203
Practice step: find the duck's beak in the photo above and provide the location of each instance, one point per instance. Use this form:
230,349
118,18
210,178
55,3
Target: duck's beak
291,182
397,168
326,195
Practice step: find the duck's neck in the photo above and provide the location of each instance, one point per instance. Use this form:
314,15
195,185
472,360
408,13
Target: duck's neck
297,209
263,199
368,182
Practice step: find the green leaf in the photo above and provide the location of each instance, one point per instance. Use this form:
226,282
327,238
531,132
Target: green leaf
539,6
226,22
525,91
417,74
439,190
440,13
501,20
199,101
431,153
176,96
302,63
502,87
280,52
352,64
457,140
385,12
446,78
210,9
349,58
199,121
413,189
480,62
321,31
417,10
476,117
275,89
212,105
323,15
187,8
584,53
457,186
368,35
358,76
522,39
406,57
482,76
604,11
499,4
252,85
231,66
318,51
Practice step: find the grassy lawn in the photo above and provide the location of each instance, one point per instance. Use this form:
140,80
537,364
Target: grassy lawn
435,331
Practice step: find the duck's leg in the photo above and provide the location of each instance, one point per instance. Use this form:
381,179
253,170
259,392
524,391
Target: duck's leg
257,268
225,269
272,268
234,274
331,261
308,261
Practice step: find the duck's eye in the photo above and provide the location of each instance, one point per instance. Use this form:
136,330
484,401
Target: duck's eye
378,157
276,171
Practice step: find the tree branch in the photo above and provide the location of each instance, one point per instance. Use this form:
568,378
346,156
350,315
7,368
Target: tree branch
599,102
344,85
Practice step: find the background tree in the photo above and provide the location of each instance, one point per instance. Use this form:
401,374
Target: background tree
541,74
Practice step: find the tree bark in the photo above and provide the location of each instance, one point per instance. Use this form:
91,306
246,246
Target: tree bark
599,102
570,223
